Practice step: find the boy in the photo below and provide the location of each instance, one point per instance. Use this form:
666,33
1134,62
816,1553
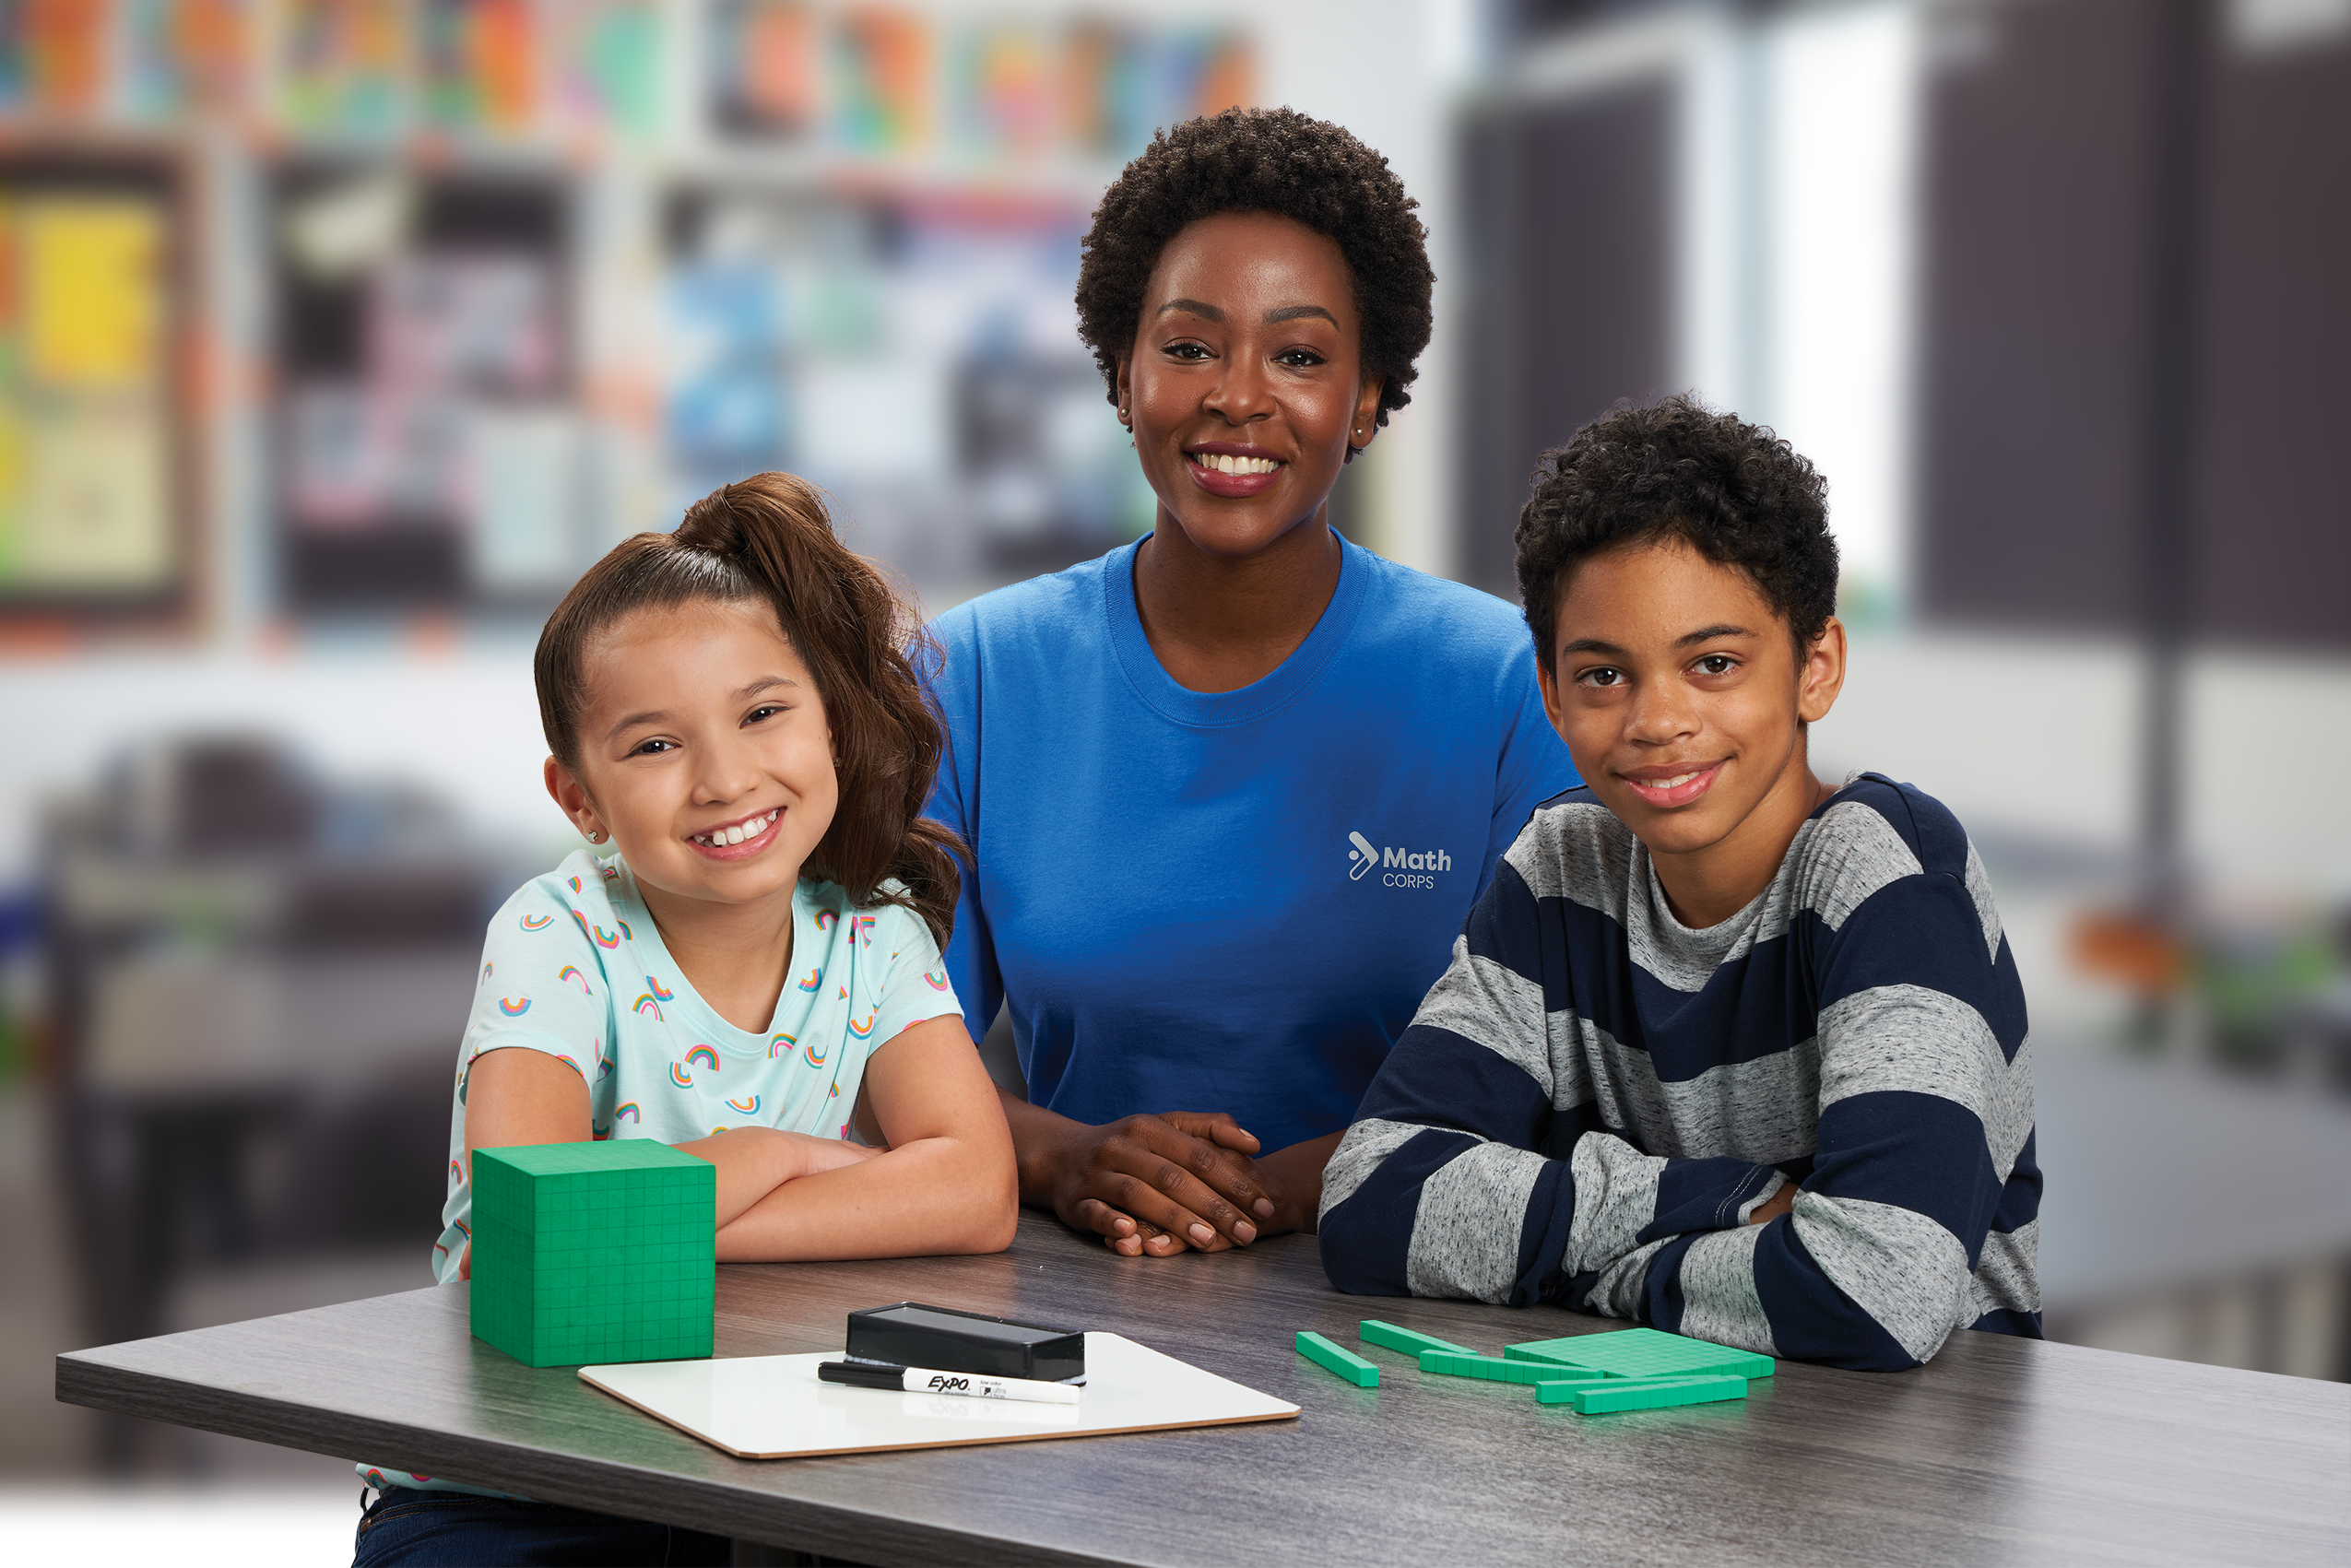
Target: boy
1722,1048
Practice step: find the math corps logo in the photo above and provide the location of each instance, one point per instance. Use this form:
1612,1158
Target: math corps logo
1400,867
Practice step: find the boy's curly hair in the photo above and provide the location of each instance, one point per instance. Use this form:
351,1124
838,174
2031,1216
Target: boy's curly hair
768,539
1273,161
1676,470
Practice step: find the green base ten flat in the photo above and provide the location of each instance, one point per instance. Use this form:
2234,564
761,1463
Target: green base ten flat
1641,1393
1644,1352
1372,1331
1346,1363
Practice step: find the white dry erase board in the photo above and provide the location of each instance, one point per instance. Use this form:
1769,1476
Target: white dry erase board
776,1407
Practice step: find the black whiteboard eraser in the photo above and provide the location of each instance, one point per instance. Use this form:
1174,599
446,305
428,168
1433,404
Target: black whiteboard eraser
943,1340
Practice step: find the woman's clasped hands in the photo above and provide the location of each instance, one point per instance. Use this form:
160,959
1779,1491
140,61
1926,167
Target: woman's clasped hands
1155,1185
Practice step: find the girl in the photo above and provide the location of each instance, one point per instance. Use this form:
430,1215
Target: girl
745,962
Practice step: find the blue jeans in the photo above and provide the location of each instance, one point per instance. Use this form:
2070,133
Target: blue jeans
440,1529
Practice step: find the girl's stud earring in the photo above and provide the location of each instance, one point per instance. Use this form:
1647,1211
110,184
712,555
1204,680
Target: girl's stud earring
595,836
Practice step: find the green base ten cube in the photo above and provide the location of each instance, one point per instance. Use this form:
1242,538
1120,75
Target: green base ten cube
595,1252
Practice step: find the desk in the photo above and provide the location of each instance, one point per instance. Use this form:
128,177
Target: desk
2002,1450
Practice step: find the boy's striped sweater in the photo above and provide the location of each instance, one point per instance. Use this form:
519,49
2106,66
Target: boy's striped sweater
1594,1096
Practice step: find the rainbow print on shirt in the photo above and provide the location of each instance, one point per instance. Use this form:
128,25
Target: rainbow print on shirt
815,1055
627,1112
654,986
572,972
864,1030
814,978
624,924
576,883
597,934
700,1057
782,1045
865,929
513,1006
538,921
826,919
936,982
456,1172
749,1105
647,1004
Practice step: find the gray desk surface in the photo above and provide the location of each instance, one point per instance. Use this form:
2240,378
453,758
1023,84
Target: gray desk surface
2001,1451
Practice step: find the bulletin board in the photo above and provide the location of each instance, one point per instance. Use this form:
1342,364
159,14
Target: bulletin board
97,470
428,457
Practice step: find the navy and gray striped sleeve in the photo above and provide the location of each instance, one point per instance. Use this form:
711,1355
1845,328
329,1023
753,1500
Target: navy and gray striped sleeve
1926,1114
1457,1177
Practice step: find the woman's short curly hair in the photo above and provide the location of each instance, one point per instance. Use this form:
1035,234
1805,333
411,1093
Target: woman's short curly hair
1676,470
1263,160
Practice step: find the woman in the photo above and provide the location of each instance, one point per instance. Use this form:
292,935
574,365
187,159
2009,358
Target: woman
1230,790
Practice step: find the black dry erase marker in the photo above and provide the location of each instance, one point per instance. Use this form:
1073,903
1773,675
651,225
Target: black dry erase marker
963,1385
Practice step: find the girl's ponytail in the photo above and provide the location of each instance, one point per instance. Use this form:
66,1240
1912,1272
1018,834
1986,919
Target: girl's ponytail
769,537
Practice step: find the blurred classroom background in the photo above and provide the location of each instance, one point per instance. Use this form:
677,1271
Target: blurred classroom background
337,336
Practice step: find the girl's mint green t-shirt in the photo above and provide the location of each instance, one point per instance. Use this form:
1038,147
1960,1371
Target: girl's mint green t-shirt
573,967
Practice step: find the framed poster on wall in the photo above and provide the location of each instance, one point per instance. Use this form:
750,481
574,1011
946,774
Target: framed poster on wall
428,454
97,467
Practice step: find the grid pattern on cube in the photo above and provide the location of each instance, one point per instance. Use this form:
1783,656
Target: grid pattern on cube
595,1252
626,1154
1644,1352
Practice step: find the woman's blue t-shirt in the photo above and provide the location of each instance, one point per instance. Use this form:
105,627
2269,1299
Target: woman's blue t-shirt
1227,901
